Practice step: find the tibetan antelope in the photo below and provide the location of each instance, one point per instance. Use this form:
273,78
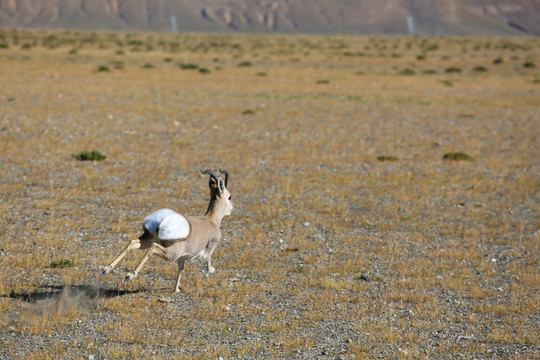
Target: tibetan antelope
176,237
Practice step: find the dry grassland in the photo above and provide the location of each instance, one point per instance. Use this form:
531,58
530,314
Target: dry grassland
329,253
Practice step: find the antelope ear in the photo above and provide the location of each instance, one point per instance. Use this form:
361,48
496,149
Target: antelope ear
212,183
213,178
221,185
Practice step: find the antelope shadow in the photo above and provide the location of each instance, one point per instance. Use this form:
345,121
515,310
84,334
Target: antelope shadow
65,298
54,292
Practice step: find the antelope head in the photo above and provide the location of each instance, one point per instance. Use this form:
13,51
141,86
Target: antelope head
218,192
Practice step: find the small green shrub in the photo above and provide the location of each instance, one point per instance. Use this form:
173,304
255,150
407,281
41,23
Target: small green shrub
204,70
456,156
420,57
447,83
148,66
188,66
262,73
407,72
248,112
120,52
73,51
479,69
89,156
529,65
103,68
61,264
387,158
135,42
245,64
453,69
429,72
323,81
4,46
498,61
26,46
168,59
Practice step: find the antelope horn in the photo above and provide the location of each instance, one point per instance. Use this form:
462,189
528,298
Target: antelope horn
226,176
211,173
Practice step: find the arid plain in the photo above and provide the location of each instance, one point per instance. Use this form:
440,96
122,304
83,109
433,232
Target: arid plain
351,237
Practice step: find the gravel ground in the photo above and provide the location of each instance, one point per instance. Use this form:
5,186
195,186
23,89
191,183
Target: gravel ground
329,252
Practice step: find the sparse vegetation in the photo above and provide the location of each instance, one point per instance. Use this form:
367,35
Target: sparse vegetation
407,72
328,253
456,156
188,66
447,83
387,158
480,69
89,156
453,69
62,263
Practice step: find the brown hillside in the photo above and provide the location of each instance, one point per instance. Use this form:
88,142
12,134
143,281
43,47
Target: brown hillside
457,17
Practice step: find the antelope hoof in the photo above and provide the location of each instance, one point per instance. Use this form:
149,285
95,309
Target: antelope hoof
130,276
211,270
106,270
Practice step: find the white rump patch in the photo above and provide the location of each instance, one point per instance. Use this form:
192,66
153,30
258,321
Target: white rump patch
152,221
174,227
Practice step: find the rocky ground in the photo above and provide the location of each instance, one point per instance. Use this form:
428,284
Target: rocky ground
351,236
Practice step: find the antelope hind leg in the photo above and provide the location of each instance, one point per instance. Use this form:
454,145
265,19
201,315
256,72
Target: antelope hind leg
133,245
154,249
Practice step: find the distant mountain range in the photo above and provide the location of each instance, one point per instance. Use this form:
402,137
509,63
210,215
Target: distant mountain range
423,17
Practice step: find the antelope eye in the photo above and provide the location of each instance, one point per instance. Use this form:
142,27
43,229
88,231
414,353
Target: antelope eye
230,197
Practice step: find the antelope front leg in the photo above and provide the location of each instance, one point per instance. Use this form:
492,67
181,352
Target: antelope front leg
211,269
180,270
154,249
133,245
